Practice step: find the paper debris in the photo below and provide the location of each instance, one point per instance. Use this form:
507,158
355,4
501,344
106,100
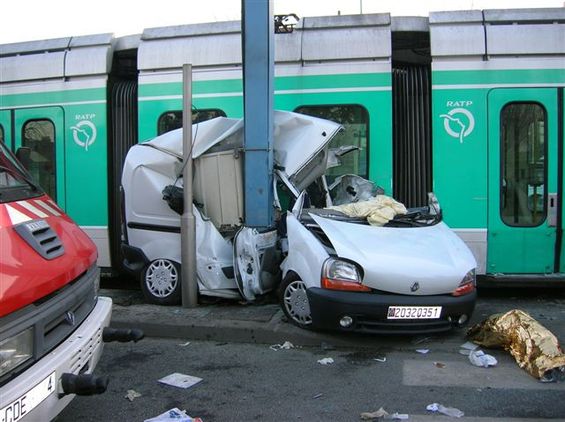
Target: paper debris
479,358
132,394
180,380
383,414
326,361
383,359
184,344
467,348
174,414
448,411
286,346
439,365
422,351
317,396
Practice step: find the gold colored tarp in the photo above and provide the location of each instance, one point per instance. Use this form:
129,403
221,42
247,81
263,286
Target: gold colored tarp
533,346
378,210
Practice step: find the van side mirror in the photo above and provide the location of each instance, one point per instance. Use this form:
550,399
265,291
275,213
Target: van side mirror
23,154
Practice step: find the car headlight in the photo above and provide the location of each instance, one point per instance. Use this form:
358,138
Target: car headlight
467,285
15,350
338,274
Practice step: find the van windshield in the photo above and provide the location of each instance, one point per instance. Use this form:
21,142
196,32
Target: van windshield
15,182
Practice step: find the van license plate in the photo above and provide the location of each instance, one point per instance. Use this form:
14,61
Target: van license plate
28,401
414,312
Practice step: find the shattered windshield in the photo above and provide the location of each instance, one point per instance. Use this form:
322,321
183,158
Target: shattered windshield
15,183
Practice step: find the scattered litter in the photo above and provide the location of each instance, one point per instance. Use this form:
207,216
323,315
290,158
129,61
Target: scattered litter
479,358
180,380
132,394
286,346
383,414
326,361
533,346
467,348
317,396
383,359
449,411
174,414
184,344
439,365
422,351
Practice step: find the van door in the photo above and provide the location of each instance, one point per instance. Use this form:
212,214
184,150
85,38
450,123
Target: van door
522,181
42,130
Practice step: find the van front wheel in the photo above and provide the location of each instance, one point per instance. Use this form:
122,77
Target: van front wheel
294,301
161,282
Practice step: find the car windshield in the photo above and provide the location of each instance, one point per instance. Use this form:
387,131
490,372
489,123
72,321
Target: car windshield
15,183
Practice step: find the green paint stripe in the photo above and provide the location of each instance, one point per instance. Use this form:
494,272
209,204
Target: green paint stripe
472,77
55,97
282,83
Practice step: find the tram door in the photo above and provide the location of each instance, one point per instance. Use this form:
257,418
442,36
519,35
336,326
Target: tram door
42,131
523,181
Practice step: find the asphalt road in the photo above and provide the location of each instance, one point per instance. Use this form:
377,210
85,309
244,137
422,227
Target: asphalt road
243,382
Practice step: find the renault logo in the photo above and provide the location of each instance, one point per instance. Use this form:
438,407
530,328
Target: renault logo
70,318
415,287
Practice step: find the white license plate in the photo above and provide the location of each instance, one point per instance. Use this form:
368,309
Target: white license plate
28,401
413,312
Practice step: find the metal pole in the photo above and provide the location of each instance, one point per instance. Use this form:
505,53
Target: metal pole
189,281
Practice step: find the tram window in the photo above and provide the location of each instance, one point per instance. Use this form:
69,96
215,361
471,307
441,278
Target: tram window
171,120
355,120
39,136
523,199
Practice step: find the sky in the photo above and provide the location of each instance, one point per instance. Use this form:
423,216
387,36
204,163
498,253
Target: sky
25,20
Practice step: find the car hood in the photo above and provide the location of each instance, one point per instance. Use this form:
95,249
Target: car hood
394,259
300,143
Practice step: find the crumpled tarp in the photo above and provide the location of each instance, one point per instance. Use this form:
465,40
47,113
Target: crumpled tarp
533,346
378,210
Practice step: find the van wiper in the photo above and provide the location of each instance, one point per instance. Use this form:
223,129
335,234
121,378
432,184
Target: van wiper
20,176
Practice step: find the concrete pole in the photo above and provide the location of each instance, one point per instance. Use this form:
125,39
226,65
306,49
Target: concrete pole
189,280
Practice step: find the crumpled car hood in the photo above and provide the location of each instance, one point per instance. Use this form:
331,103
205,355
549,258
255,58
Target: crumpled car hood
393,259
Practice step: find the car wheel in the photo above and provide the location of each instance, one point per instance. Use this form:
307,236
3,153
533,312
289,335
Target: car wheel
294,301
161,282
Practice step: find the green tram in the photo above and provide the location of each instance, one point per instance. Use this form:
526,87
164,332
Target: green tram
467,104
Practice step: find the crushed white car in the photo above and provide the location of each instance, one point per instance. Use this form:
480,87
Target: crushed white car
333,270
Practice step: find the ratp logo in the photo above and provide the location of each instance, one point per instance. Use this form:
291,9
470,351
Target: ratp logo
458,122
84,133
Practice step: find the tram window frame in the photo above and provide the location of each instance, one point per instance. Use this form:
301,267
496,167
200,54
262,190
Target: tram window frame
530,159
365,119
178,118
51,188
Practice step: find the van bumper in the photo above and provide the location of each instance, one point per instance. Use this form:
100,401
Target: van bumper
79,353
369,311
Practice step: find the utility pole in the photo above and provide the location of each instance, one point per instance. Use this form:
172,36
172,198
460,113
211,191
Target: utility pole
189,280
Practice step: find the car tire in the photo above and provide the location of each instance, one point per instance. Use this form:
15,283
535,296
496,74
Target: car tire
161,282
294,301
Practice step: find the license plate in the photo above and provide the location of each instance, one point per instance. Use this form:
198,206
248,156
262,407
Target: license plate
414,312
28,401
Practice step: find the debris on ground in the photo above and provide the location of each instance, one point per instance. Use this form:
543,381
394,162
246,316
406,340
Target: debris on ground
180,380
285,346
533,346
132,395
383,359
326,361
184,344
439,365
448,411
422,351
317,396
467,347
174,414
383,414
479,358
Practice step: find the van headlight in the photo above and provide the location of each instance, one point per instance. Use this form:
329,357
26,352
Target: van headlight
15,350
467,285
338,274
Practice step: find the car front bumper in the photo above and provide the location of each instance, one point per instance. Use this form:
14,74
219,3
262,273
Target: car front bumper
369,311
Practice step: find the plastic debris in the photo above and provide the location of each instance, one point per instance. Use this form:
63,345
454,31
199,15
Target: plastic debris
448,411
132,395
422,351
317,396
180,380
439,365
533,346
286,346
383,359
174,414
184,344
479,358
383,414
467,348
326,361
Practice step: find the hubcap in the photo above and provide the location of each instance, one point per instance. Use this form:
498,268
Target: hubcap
296,302
161,278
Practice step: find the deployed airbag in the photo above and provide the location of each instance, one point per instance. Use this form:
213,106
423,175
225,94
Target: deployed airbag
378,210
